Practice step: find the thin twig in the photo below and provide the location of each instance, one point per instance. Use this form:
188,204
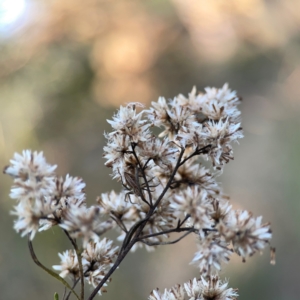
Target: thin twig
131,232
77,280
170,180
132,236
191,229
78,254
133,145
206,230
118,221
146,163
120,258
74,285
65,291
50,272
180,223
197,152
166,243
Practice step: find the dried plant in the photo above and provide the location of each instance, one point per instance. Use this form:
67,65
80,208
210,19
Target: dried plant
166,190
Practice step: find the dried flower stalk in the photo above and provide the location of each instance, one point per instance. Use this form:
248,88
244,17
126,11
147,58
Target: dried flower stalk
166,190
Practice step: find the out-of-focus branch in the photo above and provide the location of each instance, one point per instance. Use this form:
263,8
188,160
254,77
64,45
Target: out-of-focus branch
50,272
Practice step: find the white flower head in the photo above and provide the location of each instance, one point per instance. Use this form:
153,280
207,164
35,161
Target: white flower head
210,288
219,135
85,223
30,212
190,101
69,193
247,234
221,209
161,152
97,258
211,254
114,203
33,176
117,147
194,174
68,264
176,119
128,122
95,277
193,201
217,104
99,254
159,113
175,293
71,187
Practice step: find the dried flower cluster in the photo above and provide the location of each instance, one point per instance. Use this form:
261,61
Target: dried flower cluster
166,190
201,289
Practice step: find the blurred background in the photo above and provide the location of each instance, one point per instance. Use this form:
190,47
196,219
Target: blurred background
65,66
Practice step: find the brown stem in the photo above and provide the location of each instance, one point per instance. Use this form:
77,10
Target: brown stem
170,181
197,152
77,280
143,173
167,243
78,254
111,271
118,221
190,229
180,223
146,163
131,232
132,236
139,226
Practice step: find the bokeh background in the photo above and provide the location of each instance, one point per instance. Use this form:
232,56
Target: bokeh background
65,66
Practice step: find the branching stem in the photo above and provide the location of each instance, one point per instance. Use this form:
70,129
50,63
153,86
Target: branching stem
133,235
167,243
142,169
190,229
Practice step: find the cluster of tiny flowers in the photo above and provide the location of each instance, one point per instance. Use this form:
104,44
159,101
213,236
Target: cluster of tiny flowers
210,288
45,200
97,259
166,189
34,183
